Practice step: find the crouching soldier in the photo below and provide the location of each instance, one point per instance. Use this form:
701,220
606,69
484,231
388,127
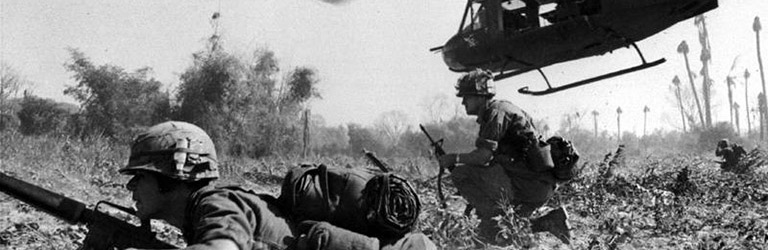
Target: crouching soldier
344,208
509,162
731,153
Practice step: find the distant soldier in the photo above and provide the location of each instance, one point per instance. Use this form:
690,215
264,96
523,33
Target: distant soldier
508,163
174,164
731,153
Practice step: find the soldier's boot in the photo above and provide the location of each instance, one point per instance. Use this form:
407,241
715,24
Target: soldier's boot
487,230
555,222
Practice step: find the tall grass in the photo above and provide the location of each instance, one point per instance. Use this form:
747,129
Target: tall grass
628,202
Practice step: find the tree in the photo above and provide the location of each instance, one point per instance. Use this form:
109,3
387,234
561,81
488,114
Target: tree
736,111
439,107
746,101
676,83
618,123
328,140
756,27
114,101
645,118
761,104
11,82
226,94
683,48
41,116
362,138
392,125
570,122
706,58
729,81
594,118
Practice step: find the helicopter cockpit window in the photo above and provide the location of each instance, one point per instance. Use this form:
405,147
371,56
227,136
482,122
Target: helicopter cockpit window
475,17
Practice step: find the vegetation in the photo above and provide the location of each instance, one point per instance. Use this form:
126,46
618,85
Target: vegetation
620,200
663,189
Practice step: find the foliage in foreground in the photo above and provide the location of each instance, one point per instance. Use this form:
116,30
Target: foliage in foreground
619,202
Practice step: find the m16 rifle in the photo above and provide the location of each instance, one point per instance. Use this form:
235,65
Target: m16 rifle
105,231
438,146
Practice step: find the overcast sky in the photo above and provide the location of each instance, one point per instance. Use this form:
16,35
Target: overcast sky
372,55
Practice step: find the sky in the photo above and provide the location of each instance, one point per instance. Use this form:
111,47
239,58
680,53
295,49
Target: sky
372,55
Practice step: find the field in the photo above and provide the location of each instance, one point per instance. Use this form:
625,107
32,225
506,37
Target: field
617,202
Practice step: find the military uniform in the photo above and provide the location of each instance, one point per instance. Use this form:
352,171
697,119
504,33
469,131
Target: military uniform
507,131
731,153
173,165
251,220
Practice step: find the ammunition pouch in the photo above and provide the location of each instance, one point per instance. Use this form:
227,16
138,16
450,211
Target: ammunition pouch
565,158
539,157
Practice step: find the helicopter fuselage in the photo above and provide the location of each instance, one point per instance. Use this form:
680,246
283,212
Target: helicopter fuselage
612,24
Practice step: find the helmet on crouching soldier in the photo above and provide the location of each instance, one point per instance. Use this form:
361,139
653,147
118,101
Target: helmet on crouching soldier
476,82
177,150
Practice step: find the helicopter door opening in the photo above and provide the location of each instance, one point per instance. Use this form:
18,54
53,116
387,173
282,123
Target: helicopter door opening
522,15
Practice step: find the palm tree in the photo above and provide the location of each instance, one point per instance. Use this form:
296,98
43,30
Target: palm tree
746,101
676,82
761,111
729,81
736,111
756,27
706,58
594,117
683,48
645,117
618,122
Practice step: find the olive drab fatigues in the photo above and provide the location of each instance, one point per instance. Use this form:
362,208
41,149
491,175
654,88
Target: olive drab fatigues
507,131
253,221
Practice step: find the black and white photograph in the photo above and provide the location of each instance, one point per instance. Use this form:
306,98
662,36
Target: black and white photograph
383,124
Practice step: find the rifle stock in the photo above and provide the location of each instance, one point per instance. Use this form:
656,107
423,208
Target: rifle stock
104,230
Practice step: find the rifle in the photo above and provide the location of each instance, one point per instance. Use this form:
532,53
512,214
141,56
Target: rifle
376,161
438,145
105,230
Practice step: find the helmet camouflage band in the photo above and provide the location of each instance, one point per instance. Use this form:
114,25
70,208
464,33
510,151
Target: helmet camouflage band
178,150
476,82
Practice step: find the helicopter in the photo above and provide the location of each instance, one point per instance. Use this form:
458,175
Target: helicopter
508,38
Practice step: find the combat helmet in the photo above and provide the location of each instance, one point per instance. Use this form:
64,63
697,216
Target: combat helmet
722,143
476,82
175,149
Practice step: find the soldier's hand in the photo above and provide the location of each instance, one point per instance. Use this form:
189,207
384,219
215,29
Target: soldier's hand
447,161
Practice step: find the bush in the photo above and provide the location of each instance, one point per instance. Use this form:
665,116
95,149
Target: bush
41,116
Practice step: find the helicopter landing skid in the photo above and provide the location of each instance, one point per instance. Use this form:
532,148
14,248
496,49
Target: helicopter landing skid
550,89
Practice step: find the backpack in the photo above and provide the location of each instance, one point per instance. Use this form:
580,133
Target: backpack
565,157
353,199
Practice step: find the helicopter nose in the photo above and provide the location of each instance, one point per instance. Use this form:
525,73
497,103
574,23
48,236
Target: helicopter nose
452,51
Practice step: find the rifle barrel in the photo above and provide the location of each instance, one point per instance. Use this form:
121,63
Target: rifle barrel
52,203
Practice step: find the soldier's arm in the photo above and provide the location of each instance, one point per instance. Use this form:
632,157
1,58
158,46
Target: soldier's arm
478,157
217,244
